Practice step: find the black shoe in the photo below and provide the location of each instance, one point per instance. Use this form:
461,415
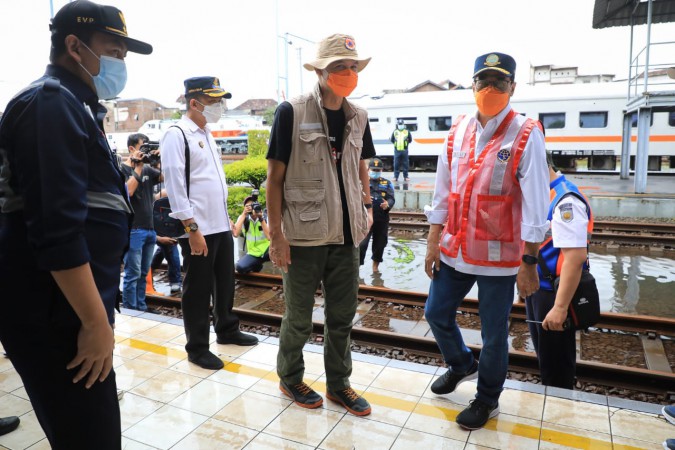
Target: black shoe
448,382
237,338
476,415
348,398
302,395
8,424
207,361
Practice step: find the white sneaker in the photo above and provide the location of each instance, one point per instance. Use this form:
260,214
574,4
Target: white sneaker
175,287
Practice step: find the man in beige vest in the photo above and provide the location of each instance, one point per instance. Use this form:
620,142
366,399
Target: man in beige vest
319,210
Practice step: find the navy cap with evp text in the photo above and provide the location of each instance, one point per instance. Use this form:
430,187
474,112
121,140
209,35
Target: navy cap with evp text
86,15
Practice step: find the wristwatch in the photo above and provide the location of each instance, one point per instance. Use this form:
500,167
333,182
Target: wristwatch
529,259
191,228
368,205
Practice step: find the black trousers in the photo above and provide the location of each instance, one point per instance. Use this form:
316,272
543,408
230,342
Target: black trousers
39,330
556,350
208,277
380,234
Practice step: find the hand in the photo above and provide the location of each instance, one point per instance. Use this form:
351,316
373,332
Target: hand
555,319
137,158
384,205
247,210
94,353
165,240
432,260
280,252
527,280
197,244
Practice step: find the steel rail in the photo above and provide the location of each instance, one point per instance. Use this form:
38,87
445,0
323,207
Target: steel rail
606,374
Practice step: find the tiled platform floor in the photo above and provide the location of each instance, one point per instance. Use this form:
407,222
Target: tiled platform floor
170,403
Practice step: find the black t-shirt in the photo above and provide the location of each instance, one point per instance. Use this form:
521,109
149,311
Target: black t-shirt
281,138
143,198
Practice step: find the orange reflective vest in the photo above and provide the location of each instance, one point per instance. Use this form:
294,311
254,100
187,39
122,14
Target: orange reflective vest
484,204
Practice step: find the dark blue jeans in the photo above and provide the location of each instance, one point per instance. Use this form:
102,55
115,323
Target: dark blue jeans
249,263
136,265
400,163
495,298
170,253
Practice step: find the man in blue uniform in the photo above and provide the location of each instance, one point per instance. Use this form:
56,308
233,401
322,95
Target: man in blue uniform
64,225
382,194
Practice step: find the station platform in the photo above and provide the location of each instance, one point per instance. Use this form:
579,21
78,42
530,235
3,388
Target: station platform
170,403
609,195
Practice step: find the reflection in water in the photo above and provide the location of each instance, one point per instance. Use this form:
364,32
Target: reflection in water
634,283
629,282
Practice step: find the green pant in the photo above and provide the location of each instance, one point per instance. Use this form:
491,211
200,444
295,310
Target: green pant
337,266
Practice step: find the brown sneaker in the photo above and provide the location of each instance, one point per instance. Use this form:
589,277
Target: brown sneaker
302,395
348,398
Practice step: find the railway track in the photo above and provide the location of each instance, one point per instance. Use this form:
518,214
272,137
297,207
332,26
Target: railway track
656,377
628,233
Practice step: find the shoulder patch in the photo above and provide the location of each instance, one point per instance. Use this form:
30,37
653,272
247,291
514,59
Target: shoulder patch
566,212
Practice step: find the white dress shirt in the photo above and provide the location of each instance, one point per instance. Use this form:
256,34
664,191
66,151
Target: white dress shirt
208,190
534,183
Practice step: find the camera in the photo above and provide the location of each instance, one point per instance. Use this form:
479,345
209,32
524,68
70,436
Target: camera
256,207
254,196
147,157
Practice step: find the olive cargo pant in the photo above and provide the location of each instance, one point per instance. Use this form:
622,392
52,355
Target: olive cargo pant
338,267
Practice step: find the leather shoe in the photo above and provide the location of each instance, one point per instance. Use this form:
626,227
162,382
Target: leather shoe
207,361
8,424
237,338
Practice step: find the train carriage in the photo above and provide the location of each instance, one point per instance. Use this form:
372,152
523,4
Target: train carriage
583,124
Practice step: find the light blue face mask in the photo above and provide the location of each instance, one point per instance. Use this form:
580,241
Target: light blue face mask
111,78
374,175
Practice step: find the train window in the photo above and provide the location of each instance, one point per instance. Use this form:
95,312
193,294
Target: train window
373,119
595,119
552,120
410,122
671,118
633,120
442,123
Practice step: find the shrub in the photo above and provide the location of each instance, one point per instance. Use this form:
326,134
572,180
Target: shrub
235,200
251,170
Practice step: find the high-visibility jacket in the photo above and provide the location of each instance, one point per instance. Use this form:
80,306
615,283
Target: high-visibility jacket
256,242
550,255
484,204
401,139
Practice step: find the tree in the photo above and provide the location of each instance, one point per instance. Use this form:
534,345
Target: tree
268,115
257,142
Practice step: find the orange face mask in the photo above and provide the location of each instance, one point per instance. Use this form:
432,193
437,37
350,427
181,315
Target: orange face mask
342,83
491,101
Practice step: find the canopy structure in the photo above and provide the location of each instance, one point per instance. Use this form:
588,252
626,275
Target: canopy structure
645,95
619,13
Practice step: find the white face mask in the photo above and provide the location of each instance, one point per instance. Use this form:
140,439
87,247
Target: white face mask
212,113
401,127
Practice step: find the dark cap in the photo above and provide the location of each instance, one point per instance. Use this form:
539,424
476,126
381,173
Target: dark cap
495,61
248,199
400,121
205,85
85,15
375,164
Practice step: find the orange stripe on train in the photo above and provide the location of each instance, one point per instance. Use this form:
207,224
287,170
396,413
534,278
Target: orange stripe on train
551,139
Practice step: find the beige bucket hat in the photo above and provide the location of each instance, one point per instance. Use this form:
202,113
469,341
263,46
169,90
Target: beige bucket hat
334,48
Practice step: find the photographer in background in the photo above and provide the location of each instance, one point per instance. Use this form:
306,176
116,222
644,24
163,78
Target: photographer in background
256,234
141,179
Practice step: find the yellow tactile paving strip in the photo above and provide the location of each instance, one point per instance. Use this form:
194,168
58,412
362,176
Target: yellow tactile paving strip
449,414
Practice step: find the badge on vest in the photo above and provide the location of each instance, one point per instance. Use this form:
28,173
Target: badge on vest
566,213
504,155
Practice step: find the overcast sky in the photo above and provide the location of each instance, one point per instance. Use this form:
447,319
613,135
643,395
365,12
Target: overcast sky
409,41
